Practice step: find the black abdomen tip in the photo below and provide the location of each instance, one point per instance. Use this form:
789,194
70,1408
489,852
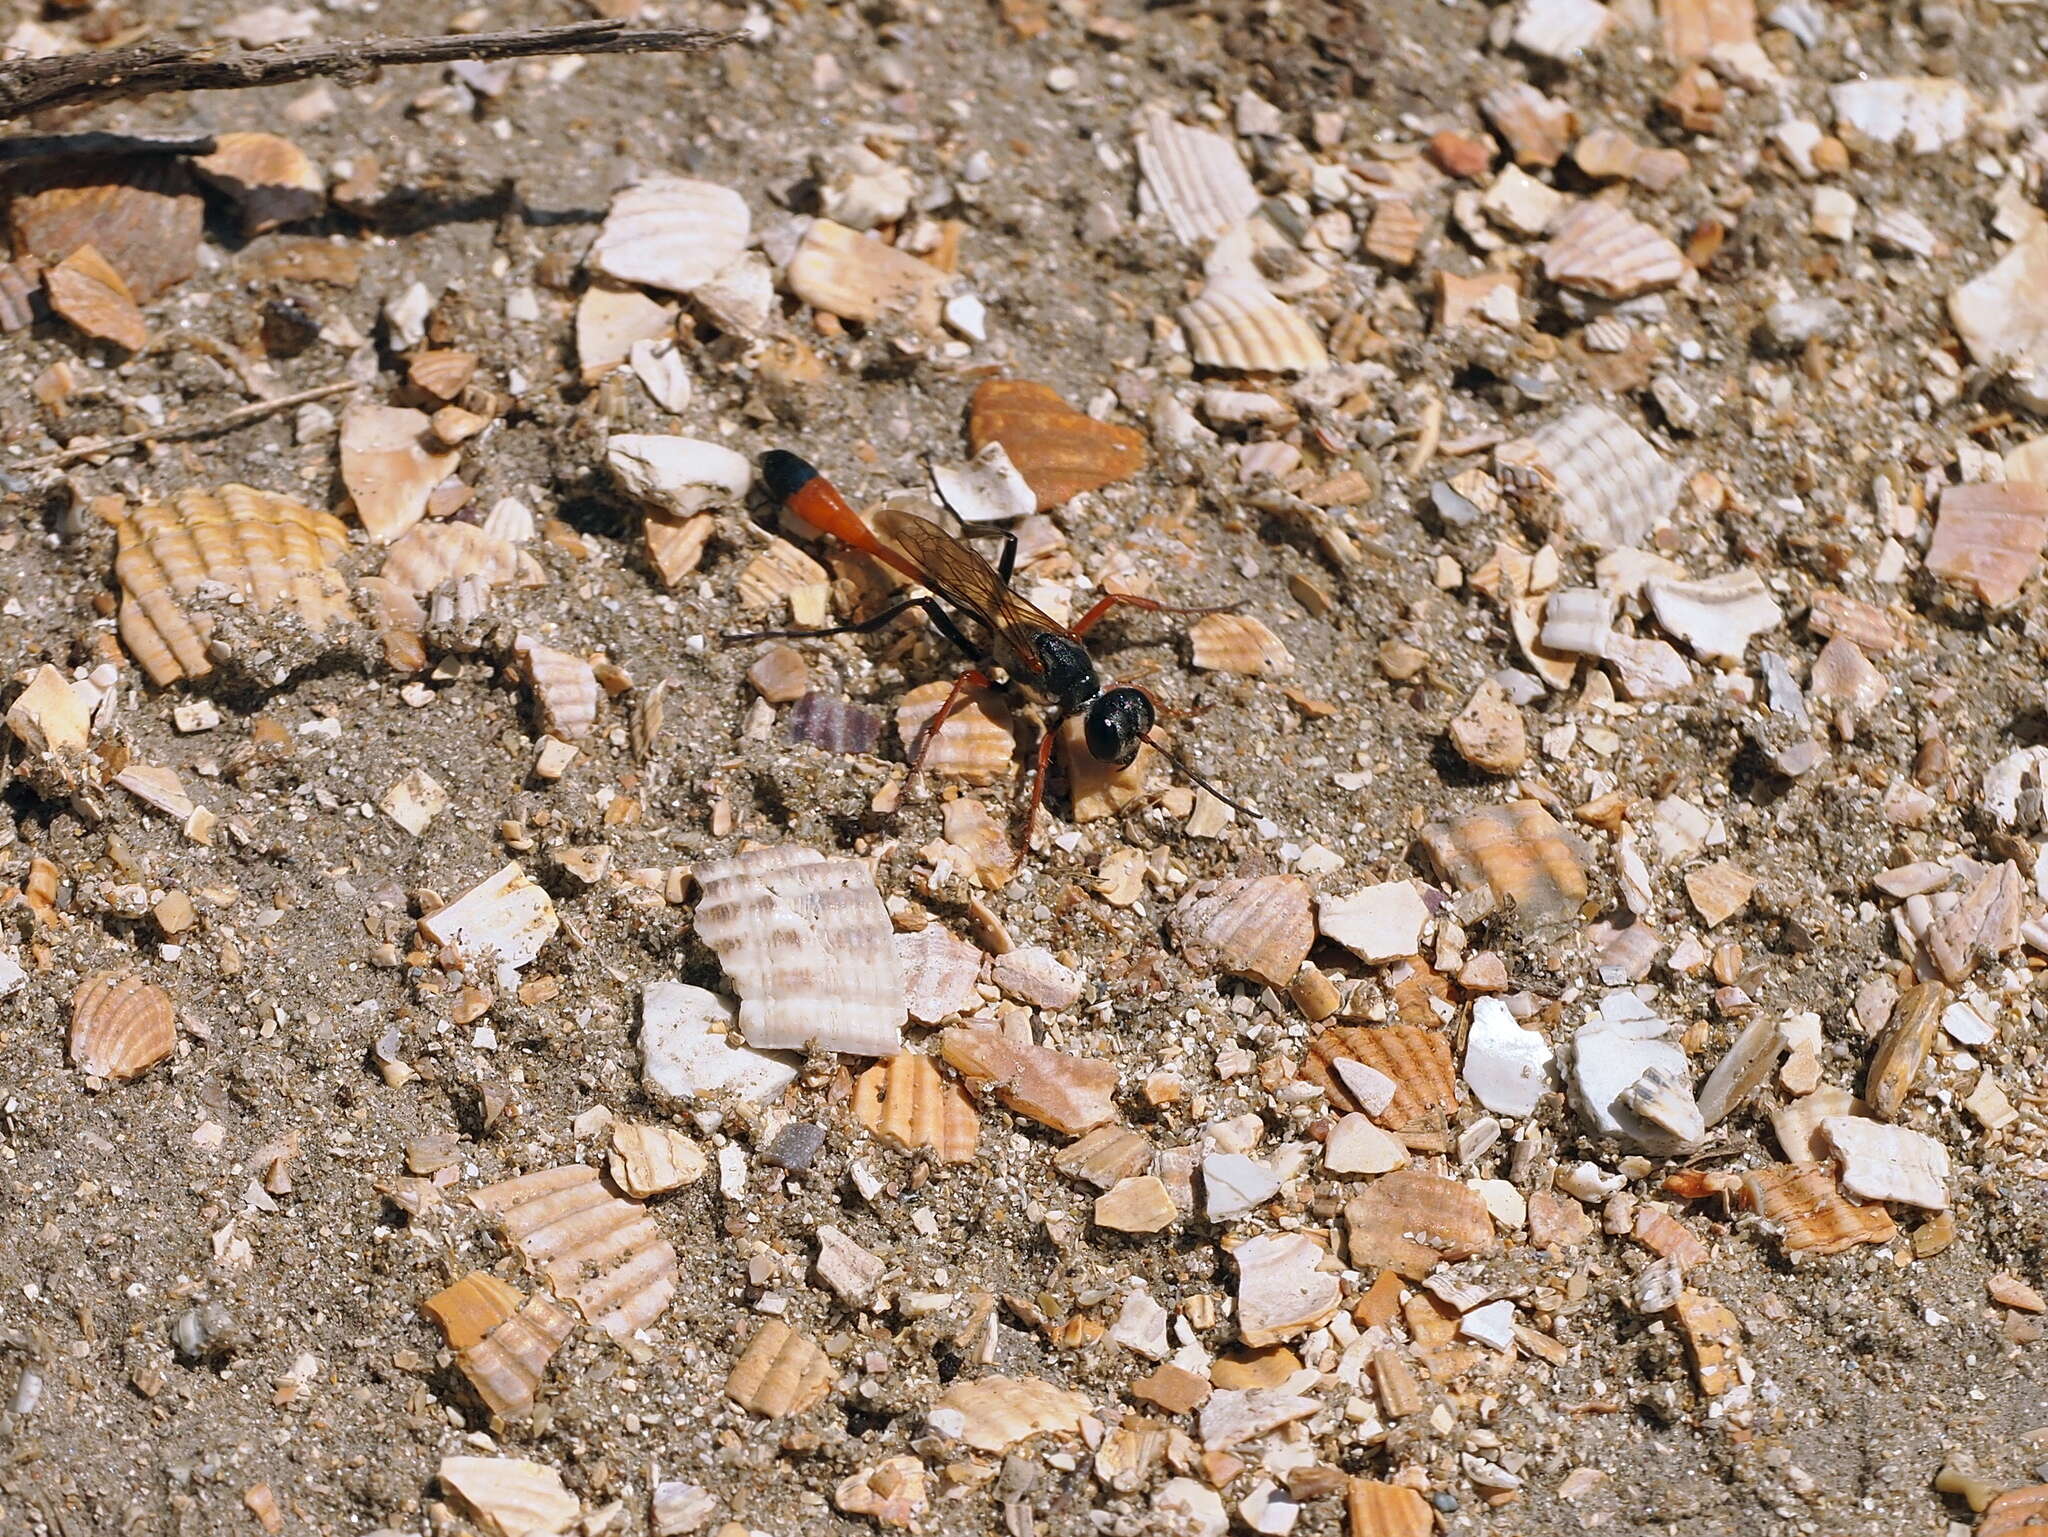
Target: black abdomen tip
784,474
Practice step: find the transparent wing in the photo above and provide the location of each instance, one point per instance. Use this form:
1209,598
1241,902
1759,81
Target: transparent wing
955,571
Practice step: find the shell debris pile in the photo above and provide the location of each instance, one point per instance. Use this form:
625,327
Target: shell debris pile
498,1038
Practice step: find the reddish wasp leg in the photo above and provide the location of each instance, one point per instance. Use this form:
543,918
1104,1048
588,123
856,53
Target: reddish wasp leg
1110,600
1045,741
972,678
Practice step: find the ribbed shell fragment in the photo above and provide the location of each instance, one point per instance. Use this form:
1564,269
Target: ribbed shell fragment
246,546
807,945
909,1104
780,1373
121,1026
600,1253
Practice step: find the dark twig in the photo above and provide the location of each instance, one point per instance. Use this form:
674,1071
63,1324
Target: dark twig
80,79
71,146
172,432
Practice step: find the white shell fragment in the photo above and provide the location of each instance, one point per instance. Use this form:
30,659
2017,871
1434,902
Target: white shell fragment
658,365
848,274
1237,323
506,914
1926,112
1381,923
1717,616
2002,317
1282,1291
808,946
676,475
1193,177
1600,249
1559,29
1610,1056
671,232
1507,1067
1881,1162
511,1497
603,1254
986,489
684,1054
1612,487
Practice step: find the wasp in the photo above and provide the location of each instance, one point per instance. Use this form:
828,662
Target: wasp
1022,647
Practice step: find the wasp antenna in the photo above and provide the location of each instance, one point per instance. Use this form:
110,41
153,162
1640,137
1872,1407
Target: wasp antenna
1170,756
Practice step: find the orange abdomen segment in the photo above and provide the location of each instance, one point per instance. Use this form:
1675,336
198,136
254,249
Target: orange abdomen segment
814,499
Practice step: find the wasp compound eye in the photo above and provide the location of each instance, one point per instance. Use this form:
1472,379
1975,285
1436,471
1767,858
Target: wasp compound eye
1116,724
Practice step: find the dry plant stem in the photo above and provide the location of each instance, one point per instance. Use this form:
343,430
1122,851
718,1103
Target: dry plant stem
172,432
74,80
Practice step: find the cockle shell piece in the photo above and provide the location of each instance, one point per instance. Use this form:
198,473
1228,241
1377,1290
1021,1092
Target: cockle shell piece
471,1308
992,1414
1611,487
909,1104
506,913
1258,927
246,546
1803,1201
780,1373
648,1160
671,232
507,1364
565,689
1194,177
978,743
270,179
1410,1221
1237,323
807,944
594,1250
121,1026
1517,853
1059,451
1417,1060
1599,249
434,553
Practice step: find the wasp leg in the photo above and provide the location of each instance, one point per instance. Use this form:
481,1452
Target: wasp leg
1006,563
1112,600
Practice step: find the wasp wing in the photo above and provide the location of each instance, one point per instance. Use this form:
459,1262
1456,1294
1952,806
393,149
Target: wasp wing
955,571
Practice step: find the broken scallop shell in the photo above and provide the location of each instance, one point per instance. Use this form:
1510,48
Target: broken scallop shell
1193,177
1410,1221
1237,323
1517,854
908,1104
433,553
1807,1206
848,274
1988,538
993,1414
978,743
565,688
507,1364
671,232
389,470
1238,643
265,551
1105,1156
1417,1060
121,1026
594,1250
1257,927
807,945
780,1373
1538,128
1599,249
472,1307
86,290
1611,487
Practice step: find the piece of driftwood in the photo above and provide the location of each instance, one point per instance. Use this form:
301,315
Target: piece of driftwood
83,79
